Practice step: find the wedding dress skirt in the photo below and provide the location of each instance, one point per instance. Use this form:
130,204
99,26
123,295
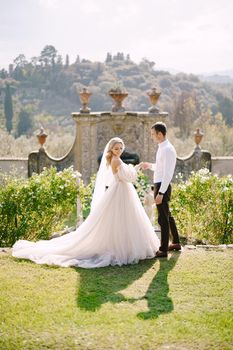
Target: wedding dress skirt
116,232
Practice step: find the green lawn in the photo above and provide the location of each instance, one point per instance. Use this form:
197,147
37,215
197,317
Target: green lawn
183,302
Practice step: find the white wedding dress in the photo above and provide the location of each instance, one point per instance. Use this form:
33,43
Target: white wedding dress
116,232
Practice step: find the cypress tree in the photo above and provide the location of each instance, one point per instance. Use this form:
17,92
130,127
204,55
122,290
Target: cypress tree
67,61
24,123
8,108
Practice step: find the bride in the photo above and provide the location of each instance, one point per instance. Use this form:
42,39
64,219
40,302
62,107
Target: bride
116,232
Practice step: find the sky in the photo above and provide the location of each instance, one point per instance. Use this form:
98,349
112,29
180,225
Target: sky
192,36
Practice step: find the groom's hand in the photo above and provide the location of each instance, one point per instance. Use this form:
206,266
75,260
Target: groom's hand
146,165
159,199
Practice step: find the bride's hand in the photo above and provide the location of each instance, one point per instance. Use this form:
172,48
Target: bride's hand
138,166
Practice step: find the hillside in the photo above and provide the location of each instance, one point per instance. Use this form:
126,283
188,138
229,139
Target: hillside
47,86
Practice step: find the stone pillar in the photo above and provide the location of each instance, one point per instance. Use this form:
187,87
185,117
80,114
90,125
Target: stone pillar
84,148
94,130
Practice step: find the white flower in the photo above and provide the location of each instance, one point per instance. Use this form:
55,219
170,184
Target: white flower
203,179
204,171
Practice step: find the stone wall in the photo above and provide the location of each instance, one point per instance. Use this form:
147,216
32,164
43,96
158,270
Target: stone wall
222,165
19,166
93,131
15,166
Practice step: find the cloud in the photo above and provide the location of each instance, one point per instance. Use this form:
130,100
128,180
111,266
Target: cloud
49,4
189,35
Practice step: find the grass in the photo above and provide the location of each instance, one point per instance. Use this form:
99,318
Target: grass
183,302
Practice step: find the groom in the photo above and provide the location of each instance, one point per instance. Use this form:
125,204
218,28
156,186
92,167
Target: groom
163,172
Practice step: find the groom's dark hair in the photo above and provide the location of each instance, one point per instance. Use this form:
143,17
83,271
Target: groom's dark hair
160,126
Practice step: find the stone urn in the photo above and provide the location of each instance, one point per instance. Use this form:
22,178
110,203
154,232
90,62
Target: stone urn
118,96
84,96
153,96
198,135
42,136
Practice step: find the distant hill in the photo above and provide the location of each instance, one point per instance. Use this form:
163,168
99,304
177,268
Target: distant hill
227,72
46,85
219,77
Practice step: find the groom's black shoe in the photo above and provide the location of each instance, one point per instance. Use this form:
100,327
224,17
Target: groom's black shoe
160,254
174,246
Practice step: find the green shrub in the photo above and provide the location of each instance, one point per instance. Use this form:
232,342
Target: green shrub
34,208
142,184
85,195
203,207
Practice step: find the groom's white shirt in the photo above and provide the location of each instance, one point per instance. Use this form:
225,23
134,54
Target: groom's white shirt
164,165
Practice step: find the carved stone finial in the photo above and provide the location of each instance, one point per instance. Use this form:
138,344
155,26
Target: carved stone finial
198,135
41,136
84,96
118,97
154,96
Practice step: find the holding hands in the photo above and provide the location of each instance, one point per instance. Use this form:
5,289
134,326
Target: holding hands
138,166
146,165
143,166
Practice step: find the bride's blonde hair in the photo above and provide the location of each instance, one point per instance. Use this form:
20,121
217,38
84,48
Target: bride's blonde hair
112,143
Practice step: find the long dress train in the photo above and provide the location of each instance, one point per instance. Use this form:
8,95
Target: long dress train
116,232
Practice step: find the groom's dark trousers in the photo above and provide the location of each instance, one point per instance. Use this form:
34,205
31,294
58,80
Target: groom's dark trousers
165,219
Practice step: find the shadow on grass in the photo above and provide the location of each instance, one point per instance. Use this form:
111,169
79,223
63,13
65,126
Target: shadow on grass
157,294
99,286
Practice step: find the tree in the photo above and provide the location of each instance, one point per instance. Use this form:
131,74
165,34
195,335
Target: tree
35,61
18,73
185,112
59,62
119,56
226,108
108,58
48,55
8,108
147,64
128,57
3,74
24,123
77,61
67,61
20,61
11,69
